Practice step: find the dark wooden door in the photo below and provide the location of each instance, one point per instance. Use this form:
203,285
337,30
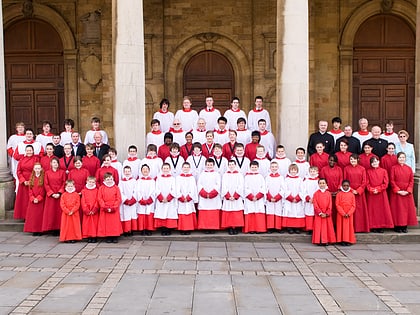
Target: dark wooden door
34,75
209,73
383,73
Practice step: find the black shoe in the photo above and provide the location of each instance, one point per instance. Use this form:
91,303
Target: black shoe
280,231
297,231
143,232
72,241
290,231
56,232
235,231
230,231
115,240
89,240
108,240
309,233
94,240
148,233
404,230
380,230
270,231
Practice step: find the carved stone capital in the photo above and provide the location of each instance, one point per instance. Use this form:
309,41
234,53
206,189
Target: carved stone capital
386,5
27,8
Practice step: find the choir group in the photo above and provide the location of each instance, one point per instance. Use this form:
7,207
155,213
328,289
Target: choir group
212,172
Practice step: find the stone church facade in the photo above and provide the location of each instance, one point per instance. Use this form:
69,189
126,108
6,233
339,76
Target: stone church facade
309,59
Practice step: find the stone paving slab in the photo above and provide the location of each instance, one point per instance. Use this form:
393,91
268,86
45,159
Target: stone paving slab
170,276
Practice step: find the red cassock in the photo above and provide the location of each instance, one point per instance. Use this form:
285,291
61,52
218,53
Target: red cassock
364,160
228,150
35,211
90,208
67,163
346,204
319,160
46,162
91,163
388,161
334,177
54,183
357,177
378,205
164,151
79,177
70,221
402,207
101,172
323,230
343,159
24,170
251,151
109,200
186,150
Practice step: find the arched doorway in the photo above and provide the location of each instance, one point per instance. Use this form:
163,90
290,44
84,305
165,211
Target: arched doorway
383,72
209,73
34,69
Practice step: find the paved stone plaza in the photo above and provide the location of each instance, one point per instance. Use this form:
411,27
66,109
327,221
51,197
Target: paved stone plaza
136,276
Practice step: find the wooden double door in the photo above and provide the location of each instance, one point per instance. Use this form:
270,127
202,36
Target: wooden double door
209,73
383,73
34,75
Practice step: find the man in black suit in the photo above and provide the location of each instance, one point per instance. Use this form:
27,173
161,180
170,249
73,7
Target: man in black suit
78,148
321,136
100,148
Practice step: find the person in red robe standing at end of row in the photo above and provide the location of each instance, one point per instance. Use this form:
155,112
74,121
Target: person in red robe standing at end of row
377,199
323,232
356,174
70,230
35,209
401,200
90,208
346,205
109,200
24,171
54,185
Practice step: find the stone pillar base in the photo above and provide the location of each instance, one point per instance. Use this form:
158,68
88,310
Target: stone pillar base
7,197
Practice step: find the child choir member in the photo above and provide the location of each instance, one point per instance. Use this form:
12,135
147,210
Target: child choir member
377,200
242,161
112,152
196,160
153,160
133,161
346,205
164,116
166,214
155,136
302,164
24,171
70,229
254,206
366,155
263,161
319,158
282,160
208,146
164,149
293,211
65,136
78,174
389,159
187,115
220,162
323,232
106,168
109,200
90,161
175,160
343,156
274,184
128,208
209,201
35,211
232,205
146,195
46,159
187,149
66,162
54,181
334,176
356,174
251,147
229,147
186,193
90,208
243,135
401,200
310,186
221,133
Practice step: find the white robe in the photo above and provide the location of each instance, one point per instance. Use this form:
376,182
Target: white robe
144,190
165,119
221,137
269,143
209,181
199,136
283,164
135,166
90,133
310,186
243,136
263,166
223,165
128,190
153,138
210,117
233,183
293,186
188,119
155,165
254,184
176,164
244,167
275,186
197,164
179,137
167,210
186,186
254,116
44,140
232,118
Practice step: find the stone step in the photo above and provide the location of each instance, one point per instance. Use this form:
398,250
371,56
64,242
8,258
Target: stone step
389,237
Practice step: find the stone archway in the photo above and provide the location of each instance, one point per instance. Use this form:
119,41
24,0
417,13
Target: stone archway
13,13
403,9
220,44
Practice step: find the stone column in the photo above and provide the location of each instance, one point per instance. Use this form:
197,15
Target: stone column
7,194
417,110
129,103
292,73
